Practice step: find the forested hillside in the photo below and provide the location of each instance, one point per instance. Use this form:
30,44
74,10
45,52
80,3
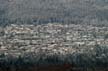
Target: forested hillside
61,11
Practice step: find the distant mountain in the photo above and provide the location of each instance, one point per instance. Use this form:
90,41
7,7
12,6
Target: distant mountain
62,11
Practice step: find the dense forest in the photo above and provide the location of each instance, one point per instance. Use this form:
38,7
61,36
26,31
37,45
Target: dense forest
60,11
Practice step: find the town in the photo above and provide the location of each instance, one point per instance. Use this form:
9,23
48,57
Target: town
54,38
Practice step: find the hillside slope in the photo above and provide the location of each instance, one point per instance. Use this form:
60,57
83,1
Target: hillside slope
62,11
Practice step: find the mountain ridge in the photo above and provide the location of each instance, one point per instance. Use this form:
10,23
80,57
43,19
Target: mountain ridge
60,11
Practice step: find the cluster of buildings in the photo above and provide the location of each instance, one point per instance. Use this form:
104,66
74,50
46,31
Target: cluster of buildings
49,39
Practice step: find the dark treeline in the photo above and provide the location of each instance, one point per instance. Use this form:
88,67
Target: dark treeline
88,59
